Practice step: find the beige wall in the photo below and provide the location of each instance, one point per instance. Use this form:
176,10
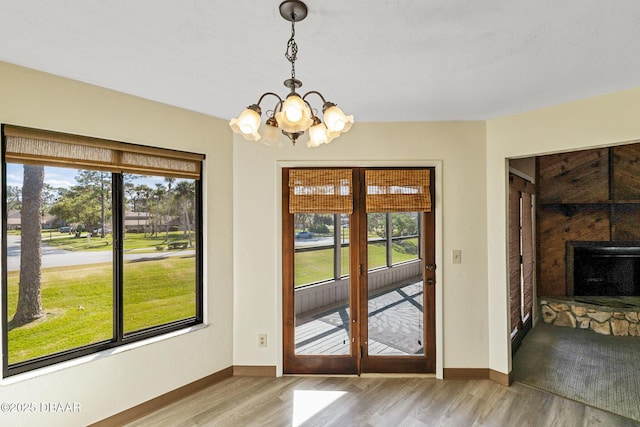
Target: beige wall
242,228
605,120
111,382
524,167
458,148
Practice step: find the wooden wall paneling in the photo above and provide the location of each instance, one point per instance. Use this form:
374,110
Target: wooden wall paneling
527,254
625,180
625,223
589,195
577,177
514,252
558,224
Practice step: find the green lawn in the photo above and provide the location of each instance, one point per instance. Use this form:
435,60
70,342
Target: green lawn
132,241
78,304
317,266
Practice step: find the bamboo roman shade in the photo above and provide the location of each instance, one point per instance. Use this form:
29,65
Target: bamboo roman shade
320,191
398,190
33,146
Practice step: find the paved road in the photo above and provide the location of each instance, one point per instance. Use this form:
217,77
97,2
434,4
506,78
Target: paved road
54,257
316,241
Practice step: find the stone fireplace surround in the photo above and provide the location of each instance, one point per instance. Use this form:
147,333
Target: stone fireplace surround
603,281
619,319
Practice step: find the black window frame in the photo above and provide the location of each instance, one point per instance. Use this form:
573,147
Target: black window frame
119,338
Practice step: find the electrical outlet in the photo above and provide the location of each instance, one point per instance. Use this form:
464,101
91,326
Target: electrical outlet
456,256
262,340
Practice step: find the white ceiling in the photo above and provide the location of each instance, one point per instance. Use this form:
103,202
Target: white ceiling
385,60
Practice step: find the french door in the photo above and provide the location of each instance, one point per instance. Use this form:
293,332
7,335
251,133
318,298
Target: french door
358,270
521,258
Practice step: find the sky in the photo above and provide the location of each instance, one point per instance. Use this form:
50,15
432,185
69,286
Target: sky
63,177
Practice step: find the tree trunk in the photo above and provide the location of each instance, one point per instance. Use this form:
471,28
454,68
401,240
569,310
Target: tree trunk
29,299
187,227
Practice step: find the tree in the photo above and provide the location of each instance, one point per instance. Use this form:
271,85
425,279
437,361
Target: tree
158,197
185,198
142,195
130,195
169,180
14,198
99,186
376,223
29,298
404,224
79,206
49,196
304,220
321,222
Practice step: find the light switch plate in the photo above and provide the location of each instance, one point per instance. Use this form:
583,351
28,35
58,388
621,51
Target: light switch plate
456,256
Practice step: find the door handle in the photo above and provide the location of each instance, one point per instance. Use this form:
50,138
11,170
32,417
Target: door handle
430,267
430,281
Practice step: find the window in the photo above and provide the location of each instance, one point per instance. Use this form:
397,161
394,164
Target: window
321,201
393,238
321,246
321,240
102,245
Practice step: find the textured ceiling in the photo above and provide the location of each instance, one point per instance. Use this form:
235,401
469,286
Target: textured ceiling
389,60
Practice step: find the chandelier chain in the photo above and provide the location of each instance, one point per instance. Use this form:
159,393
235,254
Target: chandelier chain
292,50
293,114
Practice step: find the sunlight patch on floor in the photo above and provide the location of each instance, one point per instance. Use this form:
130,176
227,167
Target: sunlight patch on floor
307,403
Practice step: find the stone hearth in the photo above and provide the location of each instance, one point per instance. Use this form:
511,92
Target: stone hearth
619,317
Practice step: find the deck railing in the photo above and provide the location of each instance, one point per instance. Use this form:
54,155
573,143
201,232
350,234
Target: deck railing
336,292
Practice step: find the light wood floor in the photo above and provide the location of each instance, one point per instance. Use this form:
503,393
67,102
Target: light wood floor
375,401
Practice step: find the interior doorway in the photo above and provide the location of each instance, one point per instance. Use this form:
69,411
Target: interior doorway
358,270
585,201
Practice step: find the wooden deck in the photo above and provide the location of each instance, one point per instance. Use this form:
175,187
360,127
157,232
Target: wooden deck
395,325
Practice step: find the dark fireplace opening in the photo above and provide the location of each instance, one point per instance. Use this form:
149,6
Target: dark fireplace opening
605,269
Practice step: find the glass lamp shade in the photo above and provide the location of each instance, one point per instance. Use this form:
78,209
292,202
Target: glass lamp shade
336,120
295,115
270,134
318,135
247,125
312,144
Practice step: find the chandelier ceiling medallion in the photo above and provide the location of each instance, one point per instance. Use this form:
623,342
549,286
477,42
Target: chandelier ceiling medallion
293,115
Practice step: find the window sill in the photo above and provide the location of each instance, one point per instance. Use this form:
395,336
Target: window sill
96,356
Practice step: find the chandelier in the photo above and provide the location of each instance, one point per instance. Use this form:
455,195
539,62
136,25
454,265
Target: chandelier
293,115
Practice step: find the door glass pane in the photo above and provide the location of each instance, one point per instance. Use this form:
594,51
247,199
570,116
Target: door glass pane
396,320
344,242
321,294
159,251
405,236
376,240
59,259
395,294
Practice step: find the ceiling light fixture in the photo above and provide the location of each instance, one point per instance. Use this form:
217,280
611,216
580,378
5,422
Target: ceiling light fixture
293,115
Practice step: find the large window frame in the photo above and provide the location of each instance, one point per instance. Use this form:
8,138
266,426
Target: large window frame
143,160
